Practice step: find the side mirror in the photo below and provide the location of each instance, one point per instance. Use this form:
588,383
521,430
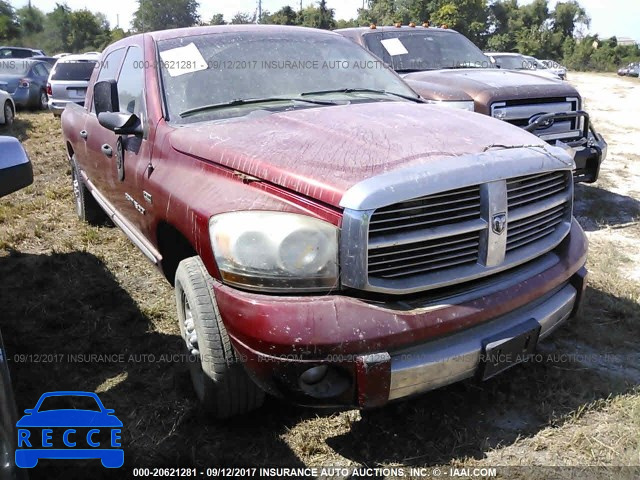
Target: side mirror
109,411
15,167
29,411
105,97
121,123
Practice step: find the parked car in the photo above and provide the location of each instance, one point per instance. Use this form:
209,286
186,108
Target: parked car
7,109
515,61
444,67
68,81
26,81
332,239
50,60
19,52
634,70
556,68
15,173
625,70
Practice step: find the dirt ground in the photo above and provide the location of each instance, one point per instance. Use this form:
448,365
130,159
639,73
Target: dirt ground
68,290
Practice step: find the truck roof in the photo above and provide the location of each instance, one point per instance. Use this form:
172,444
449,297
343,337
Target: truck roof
353,31
191,31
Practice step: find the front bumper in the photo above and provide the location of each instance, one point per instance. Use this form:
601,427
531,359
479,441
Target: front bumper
58,106
590,150
378,352
23,97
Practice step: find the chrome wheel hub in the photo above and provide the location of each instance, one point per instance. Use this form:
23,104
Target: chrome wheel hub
190,335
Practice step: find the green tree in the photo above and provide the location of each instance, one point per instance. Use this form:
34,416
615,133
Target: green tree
318,17
57,26
9,27
567,15
242,18
163,14
30,20
284,16
217,19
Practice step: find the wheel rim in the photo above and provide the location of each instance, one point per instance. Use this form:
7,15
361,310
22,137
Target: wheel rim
191,342
76,192
8,115
43,100
190,335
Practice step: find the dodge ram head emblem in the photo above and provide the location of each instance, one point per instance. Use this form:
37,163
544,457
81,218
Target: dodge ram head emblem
499,223
544,124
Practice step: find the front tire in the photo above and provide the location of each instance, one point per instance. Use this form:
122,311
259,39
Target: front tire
9,114
87,207
222,385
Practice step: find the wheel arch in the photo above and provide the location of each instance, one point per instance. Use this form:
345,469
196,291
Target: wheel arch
174,247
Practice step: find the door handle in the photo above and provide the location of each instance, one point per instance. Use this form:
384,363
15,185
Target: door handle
107,150
84,134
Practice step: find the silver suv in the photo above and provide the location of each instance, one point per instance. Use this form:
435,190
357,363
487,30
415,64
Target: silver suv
68,81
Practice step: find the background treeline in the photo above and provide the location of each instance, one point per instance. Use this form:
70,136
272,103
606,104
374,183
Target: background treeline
497,25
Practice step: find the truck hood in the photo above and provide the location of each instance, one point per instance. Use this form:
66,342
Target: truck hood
486,85
322,152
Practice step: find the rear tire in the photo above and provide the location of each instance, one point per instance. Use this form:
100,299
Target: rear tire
9,114
222,386
43,102
87,208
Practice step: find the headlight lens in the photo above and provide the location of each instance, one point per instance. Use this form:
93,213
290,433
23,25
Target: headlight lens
463,105
274,251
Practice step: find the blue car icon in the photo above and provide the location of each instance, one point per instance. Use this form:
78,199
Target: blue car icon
91,432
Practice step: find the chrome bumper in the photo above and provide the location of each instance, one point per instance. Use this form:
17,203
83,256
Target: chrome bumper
457,357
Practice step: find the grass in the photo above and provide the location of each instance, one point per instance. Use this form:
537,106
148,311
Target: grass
70,289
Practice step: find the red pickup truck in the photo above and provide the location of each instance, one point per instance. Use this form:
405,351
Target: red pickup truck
332,239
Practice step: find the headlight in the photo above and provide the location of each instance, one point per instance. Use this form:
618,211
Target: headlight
273,251
462,105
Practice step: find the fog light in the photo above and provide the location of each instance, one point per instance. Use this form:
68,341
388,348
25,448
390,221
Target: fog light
314,375
323,381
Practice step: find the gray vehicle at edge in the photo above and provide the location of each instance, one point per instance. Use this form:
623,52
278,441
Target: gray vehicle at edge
68,81
15,173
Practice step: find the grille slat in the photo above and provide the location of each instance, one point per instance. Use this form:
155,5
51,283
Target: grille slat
441,266
462,249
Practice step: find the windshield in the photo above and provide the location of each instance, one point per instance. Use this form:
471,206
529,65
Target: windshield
14,67
73,70
425,50
513,62
214,69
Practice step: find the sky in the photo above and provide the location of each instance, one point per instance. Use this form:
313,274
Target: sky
610,17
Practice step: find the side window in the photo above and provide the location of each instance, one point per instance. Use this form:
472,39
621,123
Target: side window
131,82
40,70
110,65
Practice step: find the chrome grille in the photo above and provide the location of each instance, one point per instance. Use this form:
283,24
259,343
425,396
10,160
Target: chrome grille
520,113
422,257
523,191
448,238
530,229
427,212
534,224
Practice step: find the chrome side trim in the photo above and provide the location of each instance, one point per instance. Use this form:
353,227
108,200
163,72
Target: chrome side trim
456,357
129,230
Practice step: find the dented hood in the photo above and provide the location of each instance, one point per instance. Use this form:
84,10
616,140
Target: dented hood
486,85
322,152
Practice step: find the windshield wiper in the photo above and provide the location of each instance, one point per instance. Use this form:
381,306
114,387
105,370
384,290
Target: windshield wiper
363,90
249,101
